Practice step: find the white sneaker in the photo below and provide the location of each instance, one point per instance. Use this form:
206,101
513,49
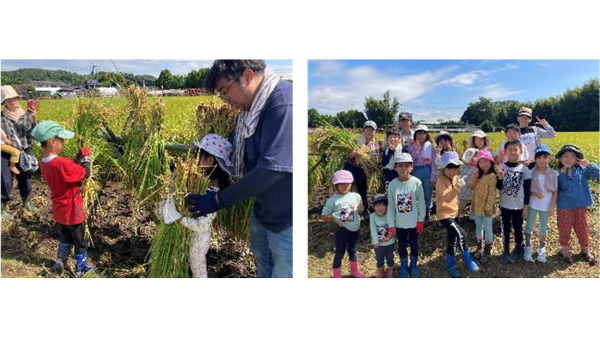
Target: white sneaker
527,254
541,255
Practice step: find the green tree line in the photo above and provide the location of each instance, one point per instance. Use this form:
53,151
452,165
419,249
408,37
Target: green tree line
574,110
166,80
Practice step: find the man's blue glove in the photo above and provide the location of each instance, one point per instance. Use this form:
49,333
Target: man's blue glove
203,204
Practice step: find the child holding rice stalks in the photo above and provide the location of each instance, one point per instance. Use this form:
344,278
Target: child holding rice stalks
213,153
343,208
337,143
64,178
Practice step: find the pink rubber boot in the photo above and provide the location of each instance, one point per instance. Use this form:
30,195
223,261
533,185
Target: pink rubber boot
355,271
337,272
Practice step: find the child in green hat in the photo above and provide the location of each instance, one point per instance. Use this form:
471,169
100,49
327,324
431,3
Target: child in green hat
64,178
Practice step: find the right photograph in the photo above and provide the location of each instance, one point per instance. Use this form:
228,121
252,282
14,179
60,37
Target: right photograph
453,168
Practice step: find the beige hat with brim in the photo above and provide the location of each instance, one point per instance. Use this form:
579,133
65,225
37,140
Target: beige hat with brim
8,92
525,111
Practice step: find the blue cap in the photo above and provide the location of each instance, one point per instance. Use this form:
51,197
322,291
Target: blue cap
542,148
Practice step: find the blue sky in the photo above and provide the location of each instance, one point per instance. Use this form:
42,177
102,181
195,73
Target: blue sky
138,67
440,89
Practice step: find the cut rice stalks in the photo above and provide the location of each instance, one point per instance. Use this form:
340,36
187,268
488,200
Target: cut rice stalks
170,246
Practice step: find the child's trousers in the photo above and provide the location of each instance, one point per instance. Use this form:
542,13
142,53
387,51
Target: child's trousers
512,219
483,228
576,219
406,237
74,235
344,240
531,220
457,237
14,153
385,252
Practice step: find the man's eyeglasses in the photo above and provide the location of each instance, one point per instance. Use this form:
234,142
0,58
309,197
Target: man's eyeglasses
223,95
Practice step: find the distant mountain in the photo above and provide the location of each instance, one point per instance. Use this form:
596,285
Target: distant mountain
26,75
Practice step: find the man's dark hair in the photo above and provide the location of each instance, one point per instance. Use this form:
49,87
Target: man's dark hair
512,127
231,69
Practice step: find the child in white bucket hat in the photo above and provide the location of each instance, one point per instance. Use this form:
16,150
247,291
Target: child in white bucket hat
214,152
343,208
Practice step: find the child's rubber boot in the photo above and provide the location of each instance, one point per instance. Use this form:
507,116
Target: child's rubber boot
414,268
380,272
337,272
471,265
62,256
5,215
487,253
81,266
516,254
477,252
527,254
450,266
390,272
505,255
355,270
28,205
403,267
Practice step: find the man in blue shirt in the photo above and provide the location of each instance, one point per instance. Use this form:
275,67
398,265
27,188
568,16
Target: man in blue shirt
262,159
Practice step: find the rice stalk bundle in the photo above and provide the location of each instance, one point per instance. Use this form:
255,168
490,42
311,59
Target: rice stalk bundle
144,159
337,143
170,246
88,118
215,117
234,220
375,184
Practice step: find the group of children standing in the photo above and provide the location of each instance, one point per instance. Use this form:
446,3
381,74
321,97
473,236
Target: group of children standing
528,189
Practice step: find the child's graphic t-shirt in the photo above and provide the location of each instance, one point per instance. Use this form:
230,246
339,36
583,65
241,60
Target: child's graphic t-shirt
512,195
344,209
379,230
406,203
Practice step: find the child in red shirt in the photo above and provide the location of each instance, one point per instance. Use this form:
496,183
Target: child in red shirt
64,177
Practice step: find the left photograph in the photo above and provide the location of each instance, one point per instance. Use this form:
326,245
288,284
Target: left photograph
147,168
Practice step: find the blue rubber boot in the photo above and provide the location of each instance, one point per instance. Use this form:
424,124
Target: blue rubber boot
62,256
414,269
81,266
403,267
450,265
471,265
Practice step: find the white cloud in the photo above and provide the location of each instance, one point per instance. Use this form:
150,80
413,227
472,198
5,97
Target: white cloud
497,91
363,81
544,64
326,68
